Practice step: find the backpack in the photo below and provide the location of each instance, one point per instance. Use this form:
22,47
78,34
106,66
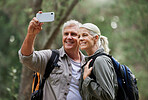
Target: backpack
38,83
127,83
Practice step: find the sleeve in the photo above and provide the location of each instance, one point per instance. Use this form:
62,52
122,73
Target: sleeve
103,87
36,61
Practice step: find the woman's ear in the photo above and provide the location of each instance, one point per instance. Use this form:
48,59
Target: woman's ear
96,38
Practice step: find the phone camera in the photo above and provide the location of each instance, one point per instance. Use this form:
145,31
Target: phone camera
51,13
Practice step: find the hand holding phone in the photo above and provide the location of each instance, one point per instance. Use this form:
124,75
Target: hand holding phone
45,17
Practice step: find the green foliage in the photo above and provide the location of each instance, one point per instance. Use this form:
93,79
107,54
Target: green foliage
12,29
142,78
12,89
8,44
124,22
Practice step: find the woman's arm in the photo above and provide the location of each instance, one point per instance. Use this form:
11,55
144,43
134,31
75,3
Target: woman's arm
103,86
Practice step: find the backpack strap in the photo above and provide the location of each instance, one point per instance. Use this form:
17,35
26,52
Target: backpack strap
118,70
92,62
52,63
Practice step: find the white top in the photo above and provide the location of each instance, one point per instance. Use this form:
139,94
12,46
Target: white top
73,93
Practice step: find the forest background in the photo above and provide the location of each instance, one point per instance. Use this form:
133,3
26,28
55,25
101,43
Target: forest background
124,22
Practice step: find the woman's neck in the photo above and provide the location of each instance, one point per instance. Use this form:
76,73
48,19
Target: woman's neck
92,50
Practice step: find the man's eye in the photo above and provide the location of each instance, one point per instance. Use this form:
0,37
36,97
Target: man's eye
73,34
65,33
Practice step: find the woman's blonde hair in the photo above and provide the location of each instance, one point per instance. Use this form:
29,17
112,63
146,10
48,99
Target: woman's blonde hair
94,30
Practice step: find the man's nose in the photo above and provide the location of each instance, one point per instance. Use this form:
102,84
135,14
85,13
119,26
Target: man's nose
69,36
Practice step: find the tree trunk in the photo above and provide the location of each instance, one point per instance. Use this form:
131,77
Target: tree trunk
27,74
25,85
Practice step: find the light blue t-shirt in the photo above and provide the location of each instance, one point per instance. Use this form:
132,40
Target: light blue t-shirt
73,93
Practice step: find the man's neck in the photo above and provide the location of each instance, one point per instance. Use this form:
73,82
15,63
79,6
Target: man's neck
74,55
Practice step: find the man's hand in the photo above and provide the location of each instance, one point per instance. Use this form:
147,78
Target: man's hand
87,70
34,26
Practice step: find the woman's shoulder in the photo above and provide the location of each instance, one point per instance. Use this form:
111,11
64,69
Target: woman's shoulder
103,61
102,58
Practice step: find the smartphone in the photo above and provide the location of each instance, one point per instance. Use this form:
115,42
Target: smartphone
45,17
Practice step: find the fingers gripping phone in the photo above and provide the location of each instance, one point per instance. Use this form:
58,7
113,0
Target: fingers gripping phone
45,17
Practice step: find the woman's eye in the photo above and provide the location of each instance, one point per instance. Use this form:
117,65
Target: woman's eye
85,35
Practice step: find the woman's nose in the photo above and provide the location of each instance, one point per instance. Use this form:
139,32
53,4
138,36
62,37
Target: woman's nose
81,38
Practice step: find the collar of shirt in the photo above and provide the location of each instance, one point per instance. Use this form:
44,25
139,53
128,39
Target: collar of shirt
63,54
100,50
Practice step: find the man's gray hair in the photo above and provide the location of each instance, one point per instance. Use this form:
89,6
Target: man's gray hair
71,23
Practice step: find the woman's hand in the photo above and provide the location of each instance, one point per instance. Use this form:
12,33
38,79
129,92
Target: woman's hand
87,70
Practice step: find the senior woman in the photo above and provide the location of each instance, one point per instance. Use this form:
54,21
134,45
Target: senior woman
105,86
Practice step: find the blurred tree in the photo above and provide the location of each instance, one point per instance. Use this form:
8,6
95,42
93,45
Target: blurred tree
9,42
124,22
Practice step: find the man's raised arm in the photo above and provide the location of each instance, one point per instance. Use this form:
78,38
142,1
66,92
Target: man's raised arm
33,29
